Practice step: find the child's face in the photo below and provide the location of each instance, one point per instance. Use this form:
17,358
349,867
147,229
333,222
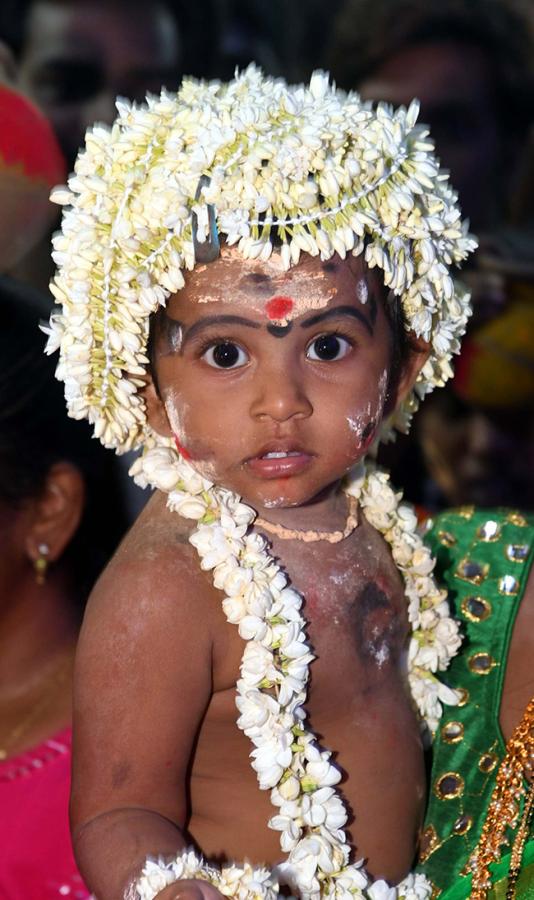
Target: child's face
273,382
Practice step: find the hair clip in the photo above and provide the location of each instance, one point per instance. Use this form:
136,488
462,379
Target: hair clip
209,250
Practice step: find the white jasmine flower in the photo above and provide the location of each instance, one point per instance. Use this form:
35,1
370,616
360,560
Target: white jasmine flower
380,890
235,222
323,772
185,505
257,664
415,887
290,788
319,84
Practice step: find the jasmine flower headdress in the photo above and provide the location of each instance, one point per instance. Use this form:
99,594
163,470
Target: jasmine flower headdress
315,167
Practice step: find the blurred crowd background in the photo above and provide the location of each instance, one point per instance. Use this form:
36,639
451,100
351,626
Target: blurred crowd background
63,500
470,62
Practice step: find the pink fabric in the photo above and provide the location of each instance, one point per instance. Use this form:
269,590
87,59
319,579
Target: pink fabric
36,861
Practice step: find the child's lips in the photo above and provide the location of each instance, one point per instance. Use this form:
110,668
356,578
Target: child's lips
279,461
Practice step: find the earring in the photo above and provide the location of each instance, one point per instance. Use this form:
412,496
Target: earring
41,563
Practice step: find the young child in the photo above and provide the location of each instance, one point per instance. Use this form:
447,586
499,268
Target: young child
220,311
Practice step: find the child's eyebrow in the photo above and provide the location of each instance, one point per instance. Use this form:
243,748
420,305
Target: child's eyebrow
335,313
202,324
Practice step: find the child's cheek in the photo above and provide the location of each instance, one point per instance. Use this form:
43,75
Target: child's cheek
198,456
363,422
189,444
362,426
178,414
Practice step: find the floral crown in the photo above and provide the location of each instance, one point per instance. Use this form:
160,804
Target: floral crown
255,159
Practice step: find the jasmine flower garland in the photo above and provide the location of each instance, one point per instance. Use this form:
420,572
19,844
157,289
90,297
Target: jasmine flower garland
271,692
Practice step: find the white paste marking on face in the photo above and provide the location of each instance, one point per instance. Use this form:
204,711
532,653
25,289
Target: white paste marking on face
362,291
207,469
307,290
176,335
359,421
279,503
175,414
382,388
177,410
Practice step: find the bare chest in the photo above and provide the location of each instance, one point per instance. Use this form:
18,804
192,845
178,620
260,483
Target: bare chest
358,704
356,613
356,622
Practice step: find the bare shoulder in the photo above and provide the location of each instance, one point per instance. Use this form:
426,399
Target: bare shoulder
156,530
518,687
155,571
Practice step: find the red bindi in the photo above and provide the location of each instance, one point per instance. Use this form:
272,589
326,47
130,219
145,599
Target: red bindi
279,307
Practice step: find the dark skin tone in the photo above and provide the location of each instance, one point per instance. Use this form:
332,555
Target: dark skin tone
154,777
38,627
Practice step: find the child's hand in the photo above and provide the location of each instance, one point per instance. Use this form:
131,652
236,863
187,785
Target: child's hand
190,889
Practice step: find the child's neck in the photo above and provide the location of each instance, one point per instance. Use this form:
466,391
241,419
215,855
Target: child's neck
326,512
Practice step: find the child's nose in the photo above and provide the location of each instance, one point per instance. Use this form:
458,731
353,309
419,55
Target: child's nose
281,396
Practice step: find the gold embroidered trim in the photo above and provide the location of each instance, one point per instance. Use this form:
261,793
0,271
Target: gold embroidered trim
504,810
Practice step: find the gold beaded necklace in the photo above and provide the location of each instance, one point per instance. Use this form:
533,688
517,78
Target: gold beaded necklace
309,537
516,768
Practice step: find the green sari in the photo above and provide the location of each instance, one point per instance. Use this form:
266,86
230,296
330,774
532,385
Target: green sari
484,559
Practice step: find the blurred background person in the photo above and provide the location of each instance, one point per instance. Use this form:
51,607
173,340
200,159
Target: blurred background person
60,520
471,65
469,62
478,436
72,58
249,31
31,163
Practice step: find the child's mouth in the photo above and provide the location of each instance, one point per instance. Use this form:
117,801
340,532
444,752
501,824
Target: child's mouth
279,463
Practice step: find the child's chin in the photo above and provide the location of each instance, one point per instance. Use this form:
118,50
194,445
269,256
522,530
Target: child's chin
270,499
279,503
290,498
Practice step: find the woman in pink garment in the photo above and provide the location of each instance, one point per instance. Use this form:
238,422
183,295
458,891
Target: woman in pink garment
55,536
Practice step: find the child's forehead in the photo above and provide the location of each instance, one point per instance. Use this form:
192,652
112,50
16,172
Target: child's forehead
265,287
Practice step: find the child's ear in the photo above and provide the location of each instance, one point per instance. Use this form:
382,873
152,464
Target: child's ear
418,353
155,409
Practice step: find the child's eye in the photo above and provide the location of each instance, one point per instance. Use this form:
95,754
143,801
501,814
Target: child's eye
225,355
328,347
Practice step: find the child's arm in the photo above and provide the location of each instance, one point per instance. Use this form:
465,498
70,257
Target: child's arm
143,682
